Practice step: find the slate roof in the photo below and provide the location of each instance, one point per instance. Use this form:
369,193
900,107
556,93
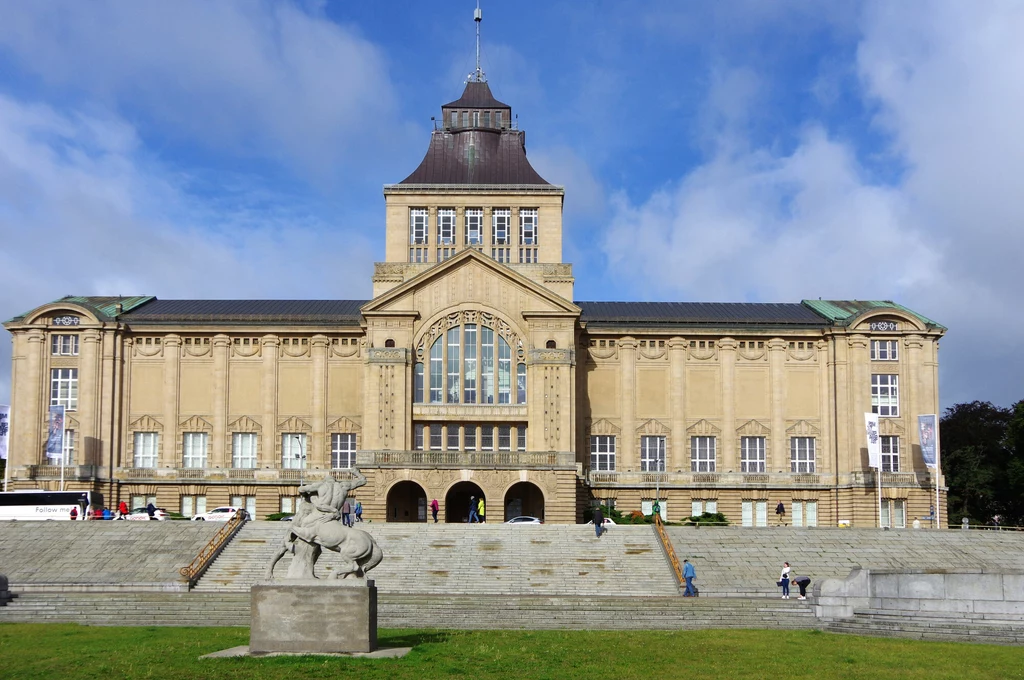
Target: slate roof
477,95
341,312
699,313
476,156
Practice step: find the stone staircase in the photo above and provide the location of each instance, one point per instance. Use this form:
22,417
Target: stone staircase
488,559
466,612
921,625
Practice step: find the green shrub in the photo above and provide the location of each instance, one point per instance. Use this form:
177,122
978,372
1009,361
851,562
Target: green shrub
278,515
710,518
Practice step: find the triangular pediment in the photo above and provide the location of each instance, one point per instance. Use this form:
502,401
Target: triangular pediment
654,427
703,428
890,427
477,273
803,428
146,424
244,424
604,426
196,424
753,428
344,424
294,424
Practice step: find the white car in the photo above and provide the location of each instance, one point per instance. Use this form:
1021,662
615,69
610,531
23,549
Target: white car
607,522
221,514
140,515
525,519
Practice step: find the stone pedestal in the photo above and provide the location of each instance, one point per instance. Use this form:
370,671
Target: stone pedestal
314,617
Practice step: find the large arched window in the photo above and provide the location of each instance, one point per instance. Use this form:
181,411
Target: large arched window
467,358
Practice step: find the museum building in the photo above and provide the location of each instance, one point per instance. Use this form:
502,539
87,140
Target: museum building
473,372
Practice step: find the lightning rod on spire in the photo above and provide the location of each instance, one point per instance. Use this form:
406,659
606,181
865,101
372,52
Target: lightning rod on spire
478,16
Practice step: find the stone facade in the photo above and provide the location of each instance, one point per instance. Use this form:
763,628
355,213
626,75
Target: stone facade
472,372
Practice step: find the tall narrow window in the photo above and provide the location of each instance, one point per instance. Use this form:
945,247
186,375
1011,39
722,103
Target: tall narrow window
702,454
486,437
436,371
243,450
885,397
801,454
528,226
500,226
436,437
446,226
474,226
521,438
498,120
417,437
521,383
487,119
890,454
293,451
652,454
343,450
417,383
194,449
486,365
69,449
470,363
453,437
418,226
602,452
64,345
64,388
146,449
453,365
469,437
504,373
752,457
504,437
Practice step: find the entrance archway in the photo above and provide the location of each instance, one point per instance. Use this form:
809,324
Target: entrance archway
524,498
407,502
456,503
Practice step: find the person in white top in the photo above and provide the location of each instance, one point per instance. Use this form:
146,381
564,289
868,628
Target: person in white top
784,580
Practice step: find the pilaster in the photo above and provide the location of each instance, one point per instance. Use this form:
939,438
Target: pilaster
89,385
319,457
629,444
33,392
172,382
677,404
728,455
219,457
778,450
268,451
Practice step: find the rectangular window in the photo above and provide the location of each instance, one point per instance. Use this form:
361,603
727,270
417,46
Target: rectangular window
287,504
437,372
699,507
453,386
469,437
453,437
445,253
293,451
64,345
885,350
486,437
418,255
702,454
894,513
474,226
504,373
436,437
528,226
417,437
69,448
417,383
486,365
247,502
243,450
520,383
885,395
469,363
528,255
146,449
193,505
418,226
504,437
890,454
140,501
64,388
503,255
752,457
805,513
521,438
343,450
652,454
602,452
193,450
501,219
801,454
754,513
446,226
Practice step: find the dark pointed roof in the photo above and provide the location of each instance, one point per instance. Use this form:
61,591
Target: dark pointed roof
477,95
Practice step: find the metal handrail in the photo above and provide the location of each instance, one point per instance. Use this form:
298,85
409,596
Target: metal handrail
204,559
670,552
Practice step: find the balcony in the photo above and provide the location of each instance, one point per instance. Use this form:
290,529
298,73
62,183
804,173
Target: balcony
704,479
76,472
518,460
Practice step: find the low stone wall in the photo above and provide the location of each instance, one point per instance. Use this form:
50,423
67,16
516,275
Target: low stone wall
980,593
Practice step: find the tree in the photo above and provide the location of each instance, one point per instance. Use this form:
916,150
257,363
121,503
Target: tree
974,461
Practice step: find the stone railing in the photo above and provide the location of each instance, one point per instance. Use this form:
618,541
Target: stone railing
461,459
752,480
867,478
70,471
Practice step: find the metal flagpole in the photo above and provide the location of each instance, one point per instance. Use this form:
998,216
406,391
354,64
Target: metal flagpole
7,450
63,450
938,468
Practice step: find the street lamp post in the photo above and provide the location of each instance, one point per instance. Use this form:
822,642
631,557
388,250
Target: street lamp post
301,456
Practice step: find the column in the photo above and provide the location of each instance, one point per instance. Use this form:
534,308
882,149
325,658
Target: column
268,455
728,458
629,446
108,443
319,453
168,455
32,397
778,447
677,404
221,351
89,384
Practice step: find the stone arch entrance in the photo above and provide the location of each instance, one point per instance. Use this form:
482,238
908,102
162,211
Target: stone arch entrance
456,502
407,502
524,498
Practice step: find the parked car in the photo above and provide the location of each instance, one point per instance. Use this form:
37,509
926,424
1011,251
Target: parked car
525,519
221,514
607,522
140,515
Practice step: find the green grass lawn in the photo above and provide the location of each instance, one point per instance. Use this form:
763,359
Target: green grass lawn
29,651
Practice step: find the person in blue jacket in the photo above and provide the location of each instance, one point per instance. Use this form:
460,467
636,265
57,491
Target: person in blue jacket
689,573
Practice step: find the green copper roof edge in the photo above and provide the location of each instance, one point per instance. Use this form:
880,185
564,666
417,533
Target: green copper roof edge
831,310
108,309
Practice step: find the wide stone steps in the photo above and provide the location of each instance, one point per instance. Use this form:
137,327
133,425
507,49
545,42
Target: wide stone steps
949,626
476,559
423,611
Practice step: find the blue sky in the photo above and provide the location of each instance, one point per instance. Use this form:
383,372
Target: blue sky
741,151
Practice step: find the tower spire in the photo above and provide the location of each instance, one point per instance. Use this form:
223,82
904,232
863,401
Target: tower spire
478,16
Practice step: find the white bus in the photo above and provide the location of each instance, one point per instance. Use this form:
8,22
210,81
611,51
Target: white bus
36,504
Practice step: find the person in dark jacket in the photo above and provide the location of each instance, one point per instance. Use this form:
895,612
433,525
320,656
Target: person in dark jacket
473,517
151,511
598,521
802,582
780,512
433,509
346,513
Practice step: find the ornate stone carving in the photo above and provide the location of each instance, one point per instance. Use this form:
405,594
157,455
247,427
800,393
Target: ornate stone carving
654,427
439,327
703,428
388,355
195,424
294,347
343,351
294,424
602,353
891,427
344,424
244,424
753,428
802,428
145,423
651,352
603,427
552,356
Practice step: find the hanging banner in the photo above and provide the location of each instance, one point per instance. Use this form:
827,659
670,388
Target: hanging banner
5,429
55,438
926,428
874,443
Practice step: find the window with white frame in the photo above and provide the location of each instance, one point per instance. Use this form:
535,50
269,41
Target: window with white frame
652,453
193,505
486,438
68,450
801,454
885,350
418,226
343,450
885,395
702,454
145,449
699,507
804,513
287,504
474,219
528,226
754,513
504,437
141,501
469,438
293,450
64,345
752,454
894,513
471,363
501,225
446,226
890,453
247,502
193,450
521,438
417,436
602,452
64,388
243,450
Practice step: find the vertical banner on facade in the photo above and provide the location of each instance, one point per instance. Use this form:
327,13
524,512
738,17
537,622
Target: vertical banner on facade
874,443
55,438
926,427
5,429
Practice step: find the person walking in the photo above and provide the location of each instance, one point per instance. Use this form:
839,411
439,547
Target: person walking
655,508
359,511
780,512
598,521
480,510
473,517
784,580
802,582
346,513
151,511
689,573
433,509
122,508
74,512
